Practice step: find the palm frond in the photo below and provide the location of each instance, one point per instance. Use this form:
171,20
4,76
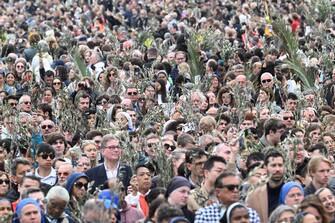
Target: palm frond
79,62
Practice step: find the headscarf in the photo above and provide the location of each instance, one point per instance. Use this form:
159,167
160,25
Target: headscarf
227,215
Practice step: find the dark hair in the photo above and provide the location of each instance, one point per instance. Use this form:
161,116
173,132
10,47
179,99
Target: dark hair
255,156
93,133
218,181
30,177
154,193
53,137
46,108
166,211
29,191
45,148
319,146
272,125
272,153
209,164
16,162
292,96
193,154
13,97
225,218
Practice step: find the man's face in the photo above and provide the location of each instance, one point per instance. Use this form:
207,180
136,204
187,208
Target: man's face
197,166
247,124
132,94
267,81
97,140
315,135
149,92
12,103
275,169
21,171
83,164
47,127
291,105
179,196
151,147
288,120
143,178
321,174
59,147
28,183
84,104
64,172
229,193
276,136
196,101
30,214
211,175
5,208
56,207
112,150
49,79
300,153
45,160
25,104
225,152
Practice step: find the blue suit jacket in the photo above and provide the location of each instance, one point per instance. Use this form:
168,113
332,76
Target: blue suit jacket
98,174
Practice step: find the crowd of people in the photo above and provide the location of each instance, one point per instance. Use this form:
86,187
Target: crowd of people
167,111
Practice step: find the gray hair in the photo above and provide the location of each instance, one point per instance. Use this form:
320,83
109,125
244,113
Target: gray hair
106,139
274,217
58,192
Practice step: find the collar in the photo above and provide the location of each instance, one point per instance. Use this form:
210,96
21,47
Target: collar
117,166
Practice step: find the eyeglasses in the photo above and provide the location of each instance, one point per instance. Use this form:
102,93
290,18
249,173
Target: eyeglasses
112,147
169,147
231,187
63,174
26,102
80,185
45,156
132,93
47,126
103,102
152,145
288,117
266,80
4,181
19,66
56,83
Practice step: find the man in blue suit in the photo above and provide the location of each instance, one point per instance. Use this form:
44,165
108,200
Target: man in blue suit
111,168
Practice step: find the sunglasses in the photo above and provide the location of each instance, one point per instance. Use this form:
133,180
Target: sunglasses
57,83
26,102
152,145
4,181
47,126
267,80
19,66
63,174
103,102
169,147
231,187
132,93
287,118
45,156
80,185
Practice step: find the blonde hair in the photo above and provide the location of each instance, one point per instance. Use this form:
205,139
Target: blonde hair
315,162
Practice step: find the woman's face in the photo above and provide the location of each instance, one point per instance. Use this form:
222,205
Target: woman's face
87,56
328,200
91,151
57,84
4,184
79,189
309,218
232,133
262,97
329,143
121,121
149,92
10,79
47,97
19,68
264,114
101,78
315,135
286,216
239,215
315,212
294,197
204,105
226,98
215,82
3,154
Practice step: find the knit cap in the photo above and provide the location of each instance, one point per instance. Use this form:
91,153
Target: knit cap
176,183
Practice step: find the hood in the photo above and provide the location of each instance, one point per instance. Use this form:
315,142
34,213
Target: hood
72,179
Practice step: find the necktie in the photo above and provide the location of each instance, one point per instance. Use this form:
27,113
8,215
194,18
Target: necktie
144,205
